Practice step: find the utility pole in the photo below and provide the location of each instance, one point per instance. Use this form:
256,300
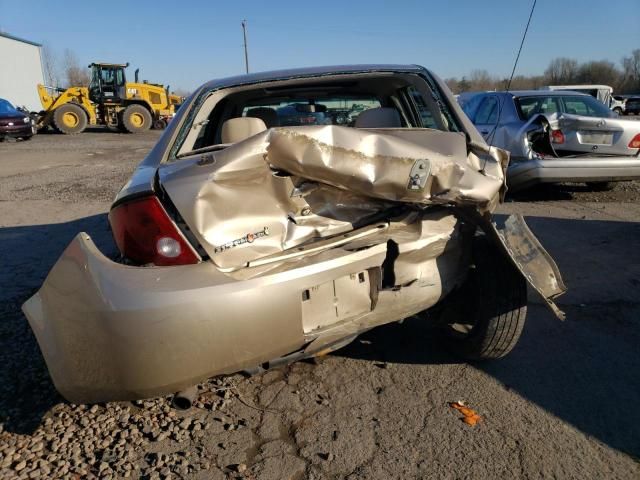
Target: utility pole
246,54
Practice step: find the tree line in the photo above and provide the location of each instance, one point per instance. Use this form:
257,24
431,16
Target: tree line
623,77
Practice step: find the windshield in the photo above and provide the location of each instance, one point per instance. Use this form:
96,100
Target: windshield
6,107
573,104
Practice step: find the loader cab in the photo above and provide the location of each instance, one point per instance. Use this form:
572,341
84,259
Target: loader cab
108,83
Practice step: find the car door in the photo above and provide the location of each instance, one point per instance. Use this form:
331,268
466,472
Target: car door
486,116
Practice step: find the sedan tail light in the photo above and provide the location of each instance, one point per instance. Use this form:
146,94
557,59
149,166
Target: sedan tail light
557,137
145,234
635,142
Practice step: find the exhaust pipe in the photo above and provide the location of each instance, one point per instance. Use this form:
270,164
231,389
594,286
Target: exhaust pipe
184,400
136,74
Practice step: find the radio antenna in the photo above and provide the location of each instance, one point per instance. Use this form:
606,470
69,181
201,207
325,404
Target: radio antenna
513,71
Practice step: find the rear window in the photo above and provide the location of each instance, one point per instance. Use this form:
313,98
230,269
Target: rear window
571,104
587,106
336,110
317,101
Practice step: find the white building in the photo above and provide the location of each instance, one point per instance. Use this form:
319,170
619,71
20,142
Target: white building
20,71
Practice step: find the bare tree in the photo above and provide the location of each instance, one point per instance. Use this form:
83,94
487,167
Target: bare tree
520,82
51,68
464,85
453,84
561,71
600,72
481,80
631,72
75,75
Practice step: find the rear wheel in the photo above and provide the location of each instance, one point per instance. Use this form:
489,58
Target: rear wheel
484,318
160,124
618,110
601,186
136,119
70,119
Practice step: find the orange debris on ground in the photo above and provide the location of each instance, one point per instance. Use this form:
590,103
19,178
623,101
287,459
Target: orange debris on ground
470,416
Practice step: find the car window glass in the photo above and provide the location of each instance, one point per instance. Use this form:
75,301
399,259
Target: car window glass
488,111
322,111
587,106
576,107
530,106
107,76
6,107
339,104
470,105
426,114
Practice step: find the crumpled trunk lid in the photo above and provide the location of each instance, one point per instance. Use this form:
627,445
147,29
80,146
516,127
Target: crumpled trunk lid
288,186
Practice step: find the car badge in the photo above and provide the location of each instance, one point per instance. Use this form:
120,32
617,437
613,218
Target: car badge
248,238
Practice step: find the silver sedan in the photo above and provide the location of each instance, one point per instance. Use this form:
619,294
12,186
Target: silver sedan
557,137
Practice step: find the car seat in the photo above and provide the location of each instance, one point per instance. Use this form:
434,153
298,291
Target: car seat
237,129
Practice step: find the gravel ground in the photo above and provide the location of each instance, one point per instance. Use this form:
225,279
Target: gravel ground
562,405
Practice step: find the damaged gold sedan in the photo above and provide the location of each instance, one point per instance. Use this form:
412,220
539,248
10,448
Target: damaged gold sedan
279,216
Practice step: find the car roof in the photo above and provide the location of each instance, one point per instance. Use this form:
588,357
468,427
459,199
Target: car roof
275,75
527,93
546,93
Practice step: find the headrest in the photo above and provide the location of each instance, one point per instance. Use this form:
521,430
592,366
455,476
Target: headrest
268,115
379,118
308,108
237,129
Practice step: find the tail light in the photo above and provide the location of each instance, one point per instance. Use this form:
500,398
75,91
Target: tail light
145,234
635,142
557,137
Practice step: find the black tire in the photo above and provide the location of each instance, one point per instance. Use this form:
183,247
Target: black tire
619,111
601,186
120,127
484,318
136,118
70,119
159,124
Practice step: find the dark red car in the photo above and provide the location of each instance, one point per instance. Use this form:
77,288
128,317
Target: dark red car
14,123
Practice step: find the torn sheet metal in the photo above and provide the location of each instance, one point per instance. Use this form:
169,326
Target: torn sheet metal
530,257
292,185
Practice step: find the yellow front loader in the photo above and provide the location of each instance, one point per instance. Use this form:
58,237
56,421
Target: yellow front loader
108,100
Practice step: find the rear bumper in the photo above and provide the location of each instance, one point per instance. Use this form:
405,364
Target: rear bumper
584,169
113,332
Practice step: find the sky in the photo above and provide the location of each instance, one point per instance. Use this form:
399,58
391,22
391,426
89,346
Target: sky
184,44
